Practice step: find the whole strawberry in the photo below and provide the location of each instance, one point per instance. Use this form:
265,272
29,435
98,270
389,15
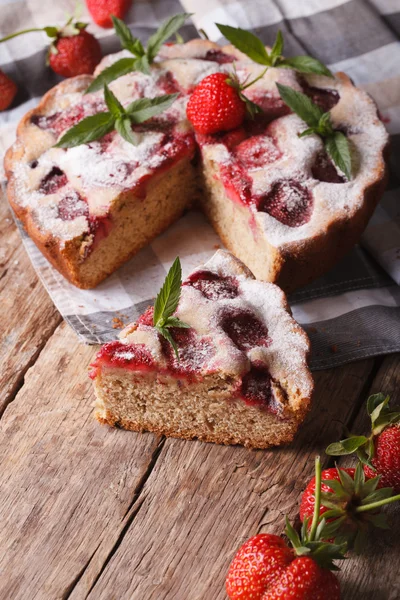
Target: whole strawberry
217,104
101,10
266,568
73,51
380,452
8,90
75,55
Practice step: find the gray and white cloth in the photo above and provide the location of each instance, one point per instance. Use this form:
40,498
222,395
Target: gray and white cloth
353,311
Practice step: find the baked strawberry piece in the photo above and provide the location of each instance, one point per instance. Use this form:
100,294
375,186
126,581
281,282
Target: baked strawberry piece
228,366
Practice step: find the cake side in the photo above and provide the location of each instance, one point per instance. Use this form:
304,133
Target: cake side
241,376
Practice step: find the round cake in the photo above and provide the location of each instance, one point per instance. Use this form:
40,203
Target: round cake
276,200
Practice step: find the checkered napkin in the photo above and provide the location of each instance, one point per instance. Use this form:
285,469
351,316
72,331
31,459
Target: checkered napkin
353,311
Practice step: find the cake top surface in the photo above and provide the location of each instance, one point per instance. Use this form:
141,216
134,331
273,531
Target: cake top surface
289,186
239,328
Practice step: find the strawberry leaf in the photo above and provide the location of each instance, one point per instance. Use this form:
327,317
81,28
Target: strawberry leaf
246,42
374,401
167,30
119,68
338,148
347,446
88,130
378,408
305,64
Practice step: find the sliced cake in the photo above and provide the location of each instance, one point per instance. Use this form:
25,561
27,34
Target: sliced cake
235,373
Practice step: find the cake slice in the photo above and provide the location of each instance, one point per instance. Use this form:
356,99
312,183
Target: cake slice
235,374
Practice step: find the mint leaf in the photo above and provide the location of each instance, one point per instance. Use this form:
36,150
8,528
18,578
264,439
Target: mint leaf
145,108
246,42
175,322
168,297
133,45
123,126
119,68
165,333
277,48
325,124
88,130
338,148
167,30
113,104
301,105
142,64
305,64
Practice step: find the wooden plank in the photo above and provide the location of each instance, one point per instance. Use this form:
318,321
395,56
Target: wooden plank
201,501
375,574
28,315
66,481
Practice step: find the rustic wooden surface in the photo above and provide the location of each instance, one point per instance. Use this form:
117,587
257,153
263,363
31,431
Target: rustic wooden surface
90,512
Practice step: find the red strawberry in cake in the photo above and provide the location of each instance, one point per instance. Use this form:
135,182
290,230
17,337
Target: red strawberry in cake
219,359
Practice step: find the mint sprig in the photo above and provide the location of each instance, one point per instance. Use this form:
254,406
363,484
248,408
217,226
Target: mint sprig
141,57
166,304
252,46
319,122
119,118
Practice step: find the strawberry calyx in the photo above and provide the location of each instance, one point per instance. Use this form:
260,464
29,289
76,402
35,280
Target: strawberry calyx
364,447
312,540
252,109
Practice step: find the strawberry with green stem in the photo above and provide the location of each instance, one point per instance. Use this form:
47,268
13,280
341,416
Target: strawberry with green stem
72,51
350,502
319,122
116,118
142,57
380,451
266,568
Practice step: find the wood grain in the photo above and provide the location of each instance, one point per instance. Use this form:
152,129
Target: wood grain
201,501
28,316
375,574
66,482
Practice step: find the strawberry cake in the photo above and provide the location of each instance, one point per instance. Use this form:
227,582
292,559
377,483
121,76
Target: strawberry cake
241,376
276,200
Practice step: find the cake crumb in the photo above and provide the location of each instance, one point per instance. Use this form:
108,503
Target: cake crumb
117,323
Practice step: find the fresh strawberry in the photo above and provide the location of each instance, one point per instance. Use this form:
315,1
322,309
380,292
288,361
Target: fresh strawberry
73,51
75,55
8,90
349,502
380,452
217,103
266,568
386,458
101,10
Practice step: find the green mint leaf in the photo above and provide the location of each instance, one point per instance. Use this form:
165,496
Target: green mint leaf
277,48
175,322
309,131
167,30
113,104
142,64
305,64
246,42
88,130
301,105
126,38
168,297
179,39
338,148
123,126
325,125
119,68
143,109
165,333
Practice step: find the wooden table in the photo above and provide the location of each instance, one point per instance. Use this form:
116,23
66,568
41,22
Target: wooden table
92,512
